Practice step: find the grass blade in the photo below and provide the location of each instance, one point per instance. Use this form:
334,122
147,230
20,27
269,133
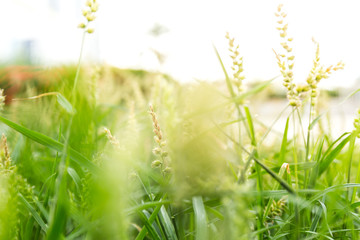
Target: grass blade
75,177
150,228
51,143
228,81
284,143
251,126
201,228
167,224
146,205
331,155
33,212
142,233
255,90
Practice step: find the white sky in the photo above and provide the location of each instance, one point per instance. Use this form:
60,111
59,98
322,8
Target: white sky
122,34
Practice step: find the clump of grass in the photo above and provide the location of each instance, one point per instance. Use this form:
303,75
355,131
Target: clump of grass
222,182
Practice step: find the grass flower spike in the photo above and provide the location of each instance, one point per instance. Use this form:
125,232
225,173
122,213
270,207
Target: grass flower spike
159,151
286,59
319,72
237,64
113,140
89,13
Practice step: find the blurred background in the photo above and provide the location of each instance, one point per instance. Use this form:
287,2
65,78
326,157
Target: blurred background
176,37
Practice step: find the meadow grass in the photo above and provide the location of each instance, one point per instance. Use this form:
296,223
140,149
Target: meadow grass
109,154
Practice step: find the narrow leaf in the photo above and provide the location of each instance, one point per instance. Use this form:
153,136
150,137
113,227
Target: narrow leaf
255,90
284,143
33,212
251,126
51,143
150,228
201,228
75,177
331,155
228,81
167,224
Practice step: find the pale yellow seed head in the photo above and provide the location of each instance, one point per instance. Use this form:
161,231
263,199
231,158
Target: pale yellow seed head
94,7
90,17
81,25
90,30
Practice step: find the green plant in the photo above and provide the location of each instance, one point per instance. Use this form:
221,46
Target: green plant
199,167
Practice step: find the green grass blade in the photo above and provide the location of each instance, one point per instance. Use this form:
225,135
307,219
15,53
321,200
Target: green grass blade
60,209
201,228
146,205
251,126
316,219
51,143
167,224
255,90
315,171
33,212
331,155
325,217
283,170
150,228
28,231
74,176
215,212
268,170
228,81
284,143
142,233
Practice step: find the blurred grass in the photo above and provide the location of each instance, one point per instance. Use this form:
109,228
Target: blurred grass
222,183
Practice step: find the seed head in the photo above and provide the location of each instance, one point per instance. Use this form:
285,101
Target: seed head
82,25
156,163
90,30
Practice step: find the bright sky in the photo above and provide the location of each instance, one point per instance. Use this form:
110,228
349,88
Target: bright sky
122,34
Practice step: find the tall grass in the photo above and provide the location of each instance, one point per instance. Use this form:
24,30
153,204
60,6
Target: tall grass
92,160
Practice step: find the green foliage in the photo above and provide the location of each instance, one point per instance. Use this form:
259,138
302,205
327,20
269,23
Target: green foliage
95,162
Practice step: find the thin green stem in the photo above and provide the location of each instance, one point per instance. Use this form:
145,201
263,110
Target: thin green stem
295,152
62,168
73,92
308,139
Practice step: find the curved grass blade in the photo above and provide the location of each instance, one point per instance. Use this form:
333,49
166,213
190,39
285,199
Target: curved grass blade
146,205
228,82
142,233
150,228
284,184
75,177
255,90
51,143
330,155
33,212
